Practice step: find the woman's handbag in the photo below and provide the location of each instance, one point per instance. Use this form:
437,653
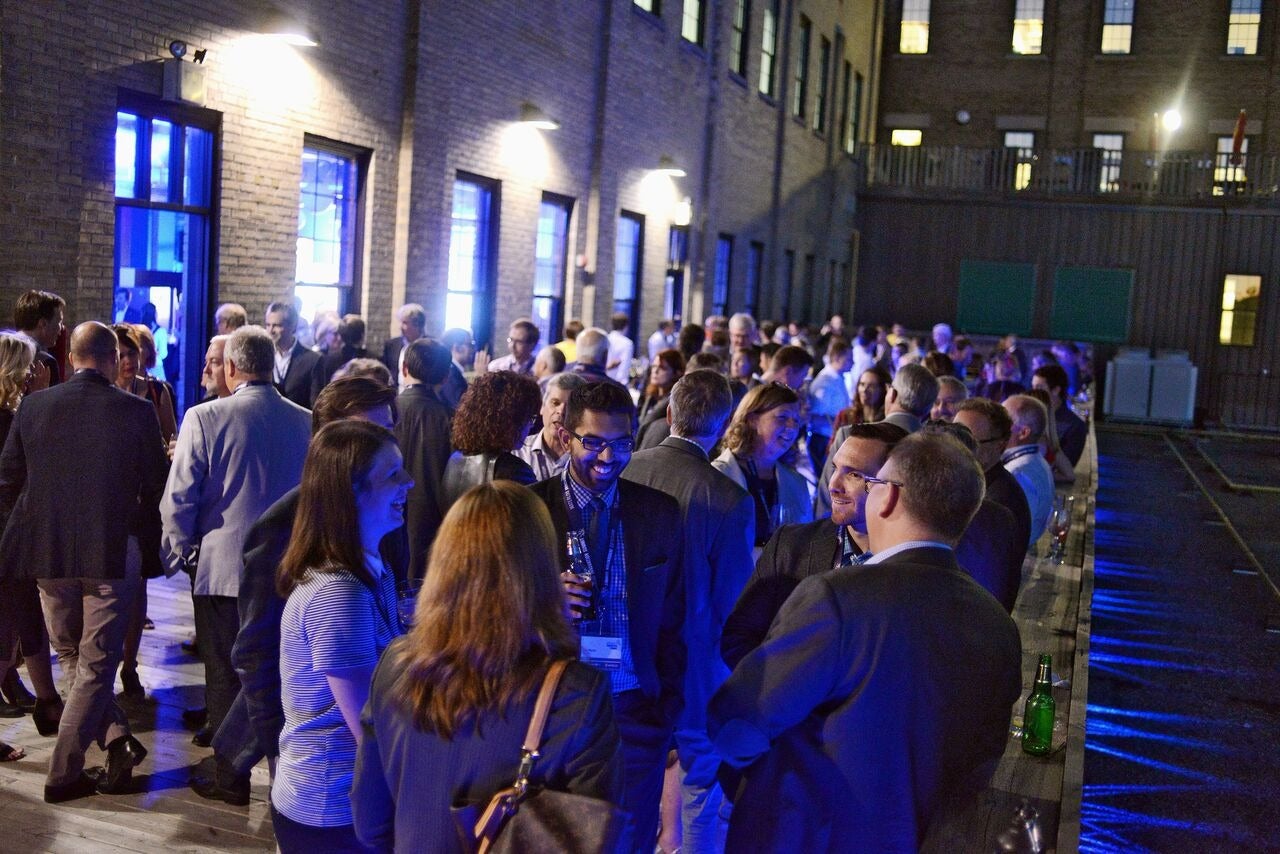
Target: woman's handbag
518,819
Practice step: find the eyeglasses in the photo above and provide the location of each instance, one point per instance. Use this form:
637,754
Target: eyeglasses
868,481
596,445
992,439
519,341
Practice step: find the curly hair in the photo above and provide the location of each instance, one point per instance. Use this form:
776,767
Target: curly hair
494,412
17,352
741,437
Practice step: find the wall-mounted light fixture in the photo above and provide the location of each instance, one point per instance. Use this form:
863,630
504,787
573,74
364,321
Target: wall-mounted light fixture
668,166
183,81
1171,120
532,115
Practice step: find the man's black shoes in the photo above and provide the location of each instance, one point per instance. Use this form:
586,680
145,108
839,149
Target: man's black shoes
123,755
81,787
222,784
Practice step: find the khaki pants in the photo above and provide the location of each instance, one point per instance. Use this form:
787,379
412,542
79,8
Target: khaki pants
87,619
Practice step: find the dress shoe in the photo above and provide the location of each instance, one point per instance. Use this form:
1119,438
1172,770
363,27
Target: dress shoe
46,716
191,647
123,755
9,710
81,787
224,784
194,718
203,736
15,692
132,685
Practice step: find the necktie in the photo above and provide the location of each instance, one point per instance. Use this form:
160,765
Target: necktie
598,538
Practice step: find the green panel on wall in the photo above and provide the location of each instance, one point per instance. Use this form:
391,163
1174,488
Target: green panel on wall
1092,304
996,297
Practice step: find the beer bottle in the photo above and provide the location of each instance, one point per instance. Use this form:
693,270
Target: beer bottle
580,566
1037,715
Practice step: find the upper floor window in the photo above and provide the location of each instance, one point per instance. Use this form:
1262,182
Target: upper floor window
1023,144
853,107
473,245
913,33
1117,26
738,40
693,21
1242,27
653,7
800,91
906,136
1028,26
1229,166
820,97
769,49
1111,146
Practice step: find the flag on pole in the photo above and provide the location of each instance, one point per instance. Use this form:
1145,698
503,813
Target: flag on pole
1237,141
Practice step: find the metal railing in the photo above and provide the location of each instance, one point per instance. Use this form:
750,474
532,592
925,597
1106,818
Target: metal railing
1093,173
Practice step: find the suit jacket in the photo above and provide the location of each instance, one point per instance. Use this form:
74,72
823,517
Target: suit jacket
991,551
51,362
234,458
1003,489
905,420
463,471
793,492
297,381
422,431
879,690
652,536
391,356
322,373
793,553
454,385
82,468
256,651
718,517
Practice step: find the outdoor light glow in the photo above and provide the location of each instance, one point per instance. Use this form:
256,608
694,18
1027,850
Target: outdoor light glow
274,77
658,194
523,150
1171,120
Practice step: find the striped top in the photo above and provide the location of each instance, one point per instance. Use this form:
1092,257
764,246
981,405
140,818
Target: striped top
331,622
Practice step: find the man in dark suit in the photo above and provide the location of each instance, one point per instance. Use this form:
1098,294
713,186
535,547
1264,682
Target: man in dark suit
413,324
84,444
251,727
422,431
634,607
1072,430
295,364
39,315
796,552
462,350
880,688
718,518
991,426
350,346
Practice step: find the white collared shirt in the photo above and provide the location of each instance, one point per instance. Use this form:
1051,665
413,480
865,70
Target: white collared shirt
885,554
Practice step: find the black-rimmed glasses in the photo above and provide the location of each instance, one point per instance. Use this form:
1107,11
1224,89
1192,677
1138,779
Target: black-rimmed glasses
596,445
868,481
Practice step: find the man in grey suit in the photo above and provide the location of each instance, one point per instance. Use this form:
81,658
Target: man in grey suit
719,519
234,458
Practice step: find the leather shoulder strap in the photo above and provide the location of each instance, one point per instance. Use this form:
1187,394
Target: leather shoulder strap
542,708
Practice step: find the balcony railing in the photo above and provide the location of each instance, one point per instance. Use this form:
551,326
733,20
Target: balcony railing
1093,173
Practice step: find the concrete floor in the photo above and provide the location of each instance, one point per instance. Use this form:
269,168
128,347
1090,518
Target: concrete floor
1183,726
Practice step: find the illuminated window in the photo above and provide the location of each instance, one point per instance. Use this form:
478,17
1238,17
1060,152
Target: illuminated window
653,7
738,41
913,34
693,20
328,212
769,49
820,96
1028,26
1023,144
906,136
550,261
1110,146
852,108
1229,168
800,83
473,246
1242,27
723,274
1239,309
1117,26
628,252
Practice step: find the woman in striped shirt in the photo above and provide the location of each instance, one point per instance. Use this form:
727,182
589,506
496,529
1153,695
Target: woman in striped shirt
339,616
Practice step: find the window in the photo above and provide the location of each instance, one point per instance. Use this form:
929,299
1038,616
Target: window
677,265
1110,146
769,49
853,110
913,34
1229,167
473,248
1028,26
788,282
164,157
1239,309
755,268
724,273
653,7
1242,27
738,41
1117,26
801,89
906,136
820,97
810,286
325,269
628,251
1023,144
692,21
550,261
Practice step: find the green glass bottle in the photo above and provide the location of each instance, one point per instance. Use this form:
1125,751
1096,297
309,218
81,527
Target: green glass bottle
1037,715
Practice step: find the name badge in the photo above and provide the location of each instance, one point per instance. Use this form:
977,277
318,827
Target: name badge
602,652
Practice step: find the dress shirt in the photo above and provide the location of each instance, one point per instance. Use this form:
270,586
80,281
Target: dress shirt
827,397
1029,467
621,350
509,363
534,452
885,554
282,364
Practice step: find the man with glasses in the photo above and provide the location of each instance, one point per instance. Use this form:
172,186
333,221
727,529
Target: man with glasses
796,552
882,688
631,609
522,341
991,426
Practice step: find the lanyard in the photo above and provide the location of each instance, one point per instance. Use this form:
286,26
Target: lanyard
580,524
1021,452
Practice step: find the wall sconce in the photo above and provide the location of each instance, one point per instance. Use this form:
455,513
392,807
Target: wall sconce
667,166
286,28
183,81
532,116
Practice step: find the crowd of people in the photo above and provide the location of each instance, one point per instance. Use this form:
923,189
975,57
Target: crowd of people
780,562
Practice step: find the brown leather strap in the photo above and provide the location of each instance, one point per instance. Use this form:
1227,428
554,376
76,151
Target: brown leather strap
533,738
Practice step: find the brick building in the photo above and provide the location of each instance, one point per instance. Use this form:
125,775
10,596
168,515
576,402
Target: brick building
410,155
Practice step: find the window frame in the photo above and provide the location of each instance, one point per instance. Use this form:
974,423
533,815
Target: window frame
770,38
649,7
1023,158
754,273
822,92
555,299
699,17
1227,329
485,266
740,38
1022,20
800,72
903,21
1239,28
1110,162
1114,18
629,305
1230,179
349,292
723,273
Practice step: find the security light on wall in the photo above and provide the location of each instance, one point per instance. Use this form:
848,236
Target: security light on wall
668,166
532,115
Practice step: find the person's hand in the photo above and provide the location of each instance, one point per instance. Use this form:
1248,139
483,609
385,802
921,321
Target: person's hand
577,594
170,447
37,377
481,362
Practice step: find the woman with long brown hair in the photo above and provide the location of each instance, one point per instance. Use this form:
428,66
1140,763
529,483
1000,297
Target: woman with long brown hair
868,399
339,615
451,700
